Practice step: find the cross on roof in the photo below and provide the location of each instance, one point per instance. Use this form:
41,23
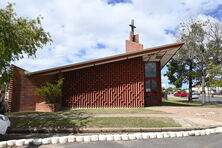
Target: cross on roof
132,25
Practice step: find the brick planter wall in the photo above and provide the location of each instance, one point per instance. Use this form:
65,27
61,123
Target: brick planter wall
43,107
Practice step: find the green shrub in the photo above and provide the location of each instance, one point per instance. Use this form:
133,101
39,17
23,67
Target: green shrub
51,92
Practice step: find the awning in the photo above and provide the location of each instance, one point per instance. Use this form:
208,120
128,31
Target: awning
162,56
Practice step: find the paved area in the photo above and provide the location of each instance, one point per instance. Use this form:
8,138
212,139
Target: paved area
211,141
196,115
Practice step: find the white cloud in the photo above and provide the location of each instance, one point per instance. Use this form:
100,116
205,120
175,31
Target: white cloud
77,25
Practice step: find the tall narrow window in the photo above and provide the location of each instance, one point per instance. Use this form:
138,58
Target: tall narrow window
148,89
154,86
154,90
150,70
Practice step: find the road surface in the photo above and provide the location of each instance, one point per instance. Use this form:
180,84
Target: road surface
211,141
216,98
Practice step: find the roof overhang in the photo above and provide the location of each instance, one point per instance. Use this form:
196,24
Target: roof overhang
160,54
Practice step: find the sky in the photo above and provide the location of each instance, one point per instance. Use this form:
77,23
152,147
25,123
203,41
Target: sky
83,30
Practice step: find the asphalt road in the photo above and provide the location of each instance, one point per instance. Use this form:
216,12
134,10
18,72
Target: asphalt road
216,98
211,141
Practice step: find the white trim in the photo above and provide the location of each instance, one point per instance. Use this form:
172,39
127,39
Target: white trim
77,68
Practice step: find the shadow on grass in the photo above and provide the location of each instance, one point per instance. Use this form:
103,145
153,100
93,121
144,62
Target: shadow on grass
61,114
49,123
43,125
179,103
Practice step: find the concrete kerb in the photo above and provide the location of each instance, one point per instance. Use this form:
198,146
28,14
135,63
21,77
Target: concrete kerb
114,137
102,130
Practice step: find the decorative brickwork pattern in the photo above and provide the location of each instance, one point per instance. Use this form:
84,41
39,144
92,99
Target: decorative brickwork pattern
117,84
10,98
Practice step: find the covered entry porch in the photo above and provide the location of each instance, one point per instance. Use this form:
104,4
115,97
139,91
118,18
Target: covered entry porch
153,63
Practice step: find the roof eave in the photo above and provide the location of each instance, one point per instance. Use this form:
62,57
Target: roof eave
105,60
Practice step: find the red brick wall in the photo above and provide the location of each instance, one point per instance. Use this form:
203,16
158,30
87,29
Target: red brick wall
133,45
117,84
22,96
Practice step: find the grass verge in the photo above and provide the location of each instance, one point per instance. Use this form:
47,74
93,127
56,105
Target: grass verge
94,111
150,122
175,101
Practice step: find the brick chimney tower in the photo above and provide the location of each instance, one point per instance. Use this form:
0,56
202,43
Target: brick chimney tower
133,43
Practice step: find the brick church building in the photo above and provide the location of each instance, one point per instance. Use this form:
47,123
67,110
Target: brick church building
130,80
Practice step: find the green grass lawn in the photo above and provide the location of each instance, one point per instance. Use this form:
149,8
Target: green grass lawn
94,111
93,122
176,101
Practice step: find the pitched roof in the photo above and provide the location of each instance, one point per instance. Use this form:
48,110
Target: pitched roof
160,53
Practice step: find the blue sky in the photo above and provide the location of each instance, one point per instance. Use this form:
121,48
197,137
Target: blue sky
114,2
215,13
83,30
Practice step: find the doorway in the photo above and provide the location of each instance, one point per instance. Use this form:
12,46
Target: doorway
152,84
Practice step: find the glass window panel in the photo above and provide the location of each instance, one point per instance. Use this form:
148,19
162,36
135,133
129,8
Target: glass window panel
148,89
155,97
154,86
150,69
148,98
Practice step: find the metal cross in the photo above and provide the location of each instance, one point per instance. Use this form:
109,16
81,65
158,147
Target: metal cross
132,25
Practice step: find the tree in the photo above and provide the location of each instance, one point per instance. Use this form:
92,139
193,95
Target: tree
19,36
51,92
192,33
182,68
214,71
209,51
202,46
175,73
180,71
173,90
214,75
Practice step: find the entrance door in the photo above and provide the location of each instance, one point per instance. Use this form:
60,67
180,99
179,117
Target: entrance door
152,84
